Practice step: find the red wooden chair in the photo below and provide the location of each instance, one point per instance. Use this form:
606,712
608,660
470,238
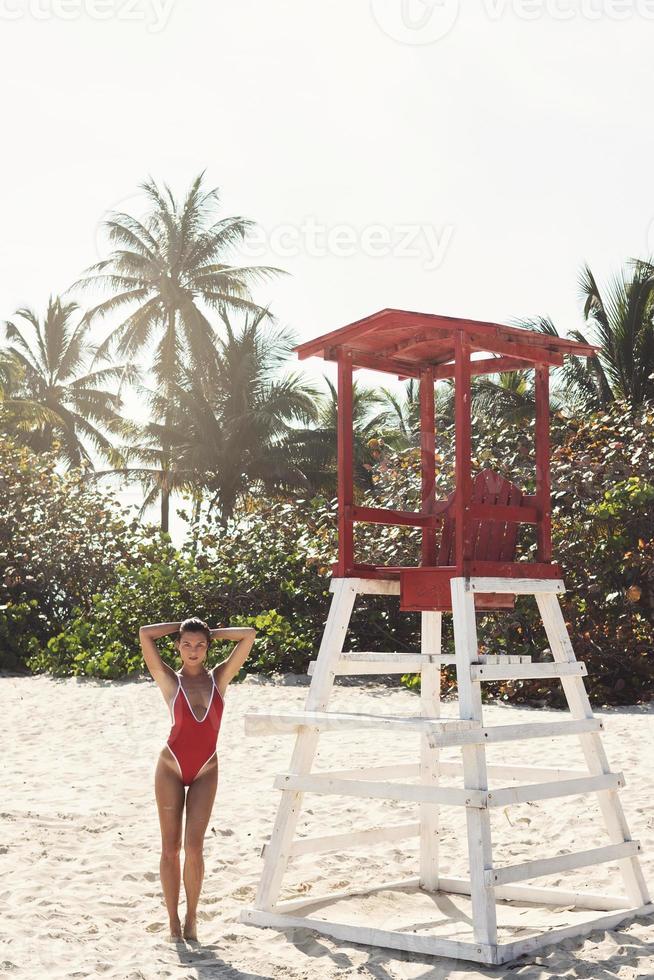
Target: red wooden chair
490,540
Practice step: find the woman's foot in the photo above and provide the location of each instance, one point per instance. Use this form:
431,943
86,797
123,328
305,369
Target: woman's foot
190,928
175,930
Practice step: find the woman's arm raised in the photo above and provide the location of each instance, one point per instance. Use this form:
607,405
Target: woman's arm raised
229,668
147,635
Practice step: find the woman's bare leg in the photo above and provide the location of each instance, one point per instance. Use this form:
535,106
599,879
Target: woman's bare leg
199,801
169,792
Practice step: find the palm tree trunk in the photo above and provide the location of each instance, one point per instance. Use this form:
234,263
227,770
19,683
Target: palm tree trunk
165,504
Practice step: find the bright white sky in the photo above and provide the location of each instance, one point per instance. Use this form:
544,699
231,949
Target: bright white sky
512,139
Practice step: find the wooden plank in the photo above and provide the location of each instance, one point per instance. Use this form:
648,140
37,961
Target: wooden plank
512,570
562,862
283,831
428,465
369,936
396,770
538,671
484,365
345,456
369,586
531,894
522,351
541,434
352,838
504,512
488,658
463,449
279,722
367,789
400,518
430,707
440,731
593,750
368,888
517,586
553,790
450,767
521,947
497,771
407,665
475,776
528,730
534,895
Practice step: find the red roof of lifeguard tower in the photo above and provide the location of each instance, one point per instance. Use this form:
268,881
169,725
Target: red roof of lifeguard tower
402,342
479,521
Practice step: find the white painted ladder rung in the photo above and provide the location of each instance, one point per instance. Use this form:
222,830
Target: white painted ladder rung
444,795
553,790
439,731
279,722
563,862
406,662
544,671
354,838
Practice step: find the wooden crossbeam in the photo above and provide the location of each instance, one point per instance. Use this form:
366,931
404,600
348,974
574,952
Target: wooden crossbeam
537,671
274,722
562,862
368,789
440,732
515,586
555,789
522,351
533,894
388,938
407,663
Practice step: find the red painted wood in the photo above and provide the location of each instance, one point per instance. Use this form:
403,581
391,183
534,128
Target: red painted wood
529,353
512,569
390,326
485,365
380,515
427,462
463,448
423,589
345,463
543,490
385,364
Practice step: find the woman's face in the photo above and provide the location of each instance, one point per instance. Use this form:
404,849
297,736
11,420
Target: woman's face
192,646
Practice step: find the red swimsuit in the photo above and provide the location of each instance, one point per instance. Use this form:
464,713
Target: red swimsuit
193,743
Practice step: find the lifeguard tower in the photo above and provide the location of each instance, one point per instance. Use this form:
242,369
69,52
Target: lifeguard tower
468,562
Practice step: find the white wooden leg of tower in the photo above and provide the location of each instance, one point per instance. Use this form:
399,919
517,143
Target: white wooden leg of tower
277,852
591,743
474,765
430,706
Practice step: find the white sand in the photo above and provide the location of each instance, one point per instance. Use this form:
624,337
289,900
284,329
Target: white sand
79,841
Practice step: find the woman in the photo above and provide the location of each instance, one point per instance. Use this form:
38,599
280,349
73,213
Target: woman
195,697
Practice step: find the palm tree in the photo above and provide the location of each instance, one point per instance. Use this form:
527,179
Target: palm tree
314,449
228,439
399,420
621,322
166,267
55,399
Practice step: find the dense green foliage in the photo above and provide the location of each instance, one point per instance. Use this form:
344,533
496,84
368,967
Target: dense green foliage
78,579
